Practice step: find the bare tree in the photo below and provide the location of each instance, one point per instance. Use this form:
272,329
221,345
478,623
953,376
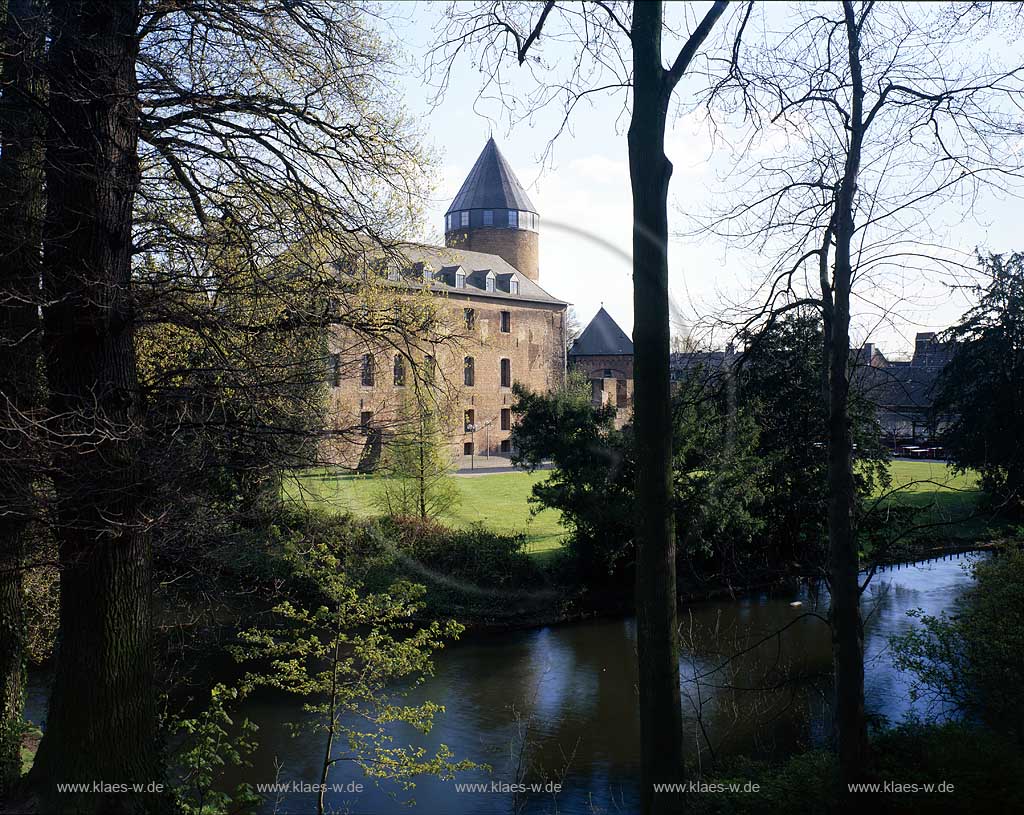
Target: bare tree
22,128
613,46
208,166
889,113
101,722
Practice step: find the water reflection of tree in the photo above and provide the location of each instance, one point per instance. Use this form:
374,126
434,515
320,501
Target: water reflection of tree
754,671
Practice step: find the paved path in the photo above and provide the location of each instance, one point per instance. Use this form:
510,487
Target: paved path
484,465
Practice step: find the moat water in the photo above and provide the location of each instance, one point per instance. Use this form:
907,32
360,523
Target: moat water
557,705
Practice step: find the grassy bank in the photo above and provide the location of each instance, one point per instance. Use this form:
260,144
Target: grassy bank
500,502
952,509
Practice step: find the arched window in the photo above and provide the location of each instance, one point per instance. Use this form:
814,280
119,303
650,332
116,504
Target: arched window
469,372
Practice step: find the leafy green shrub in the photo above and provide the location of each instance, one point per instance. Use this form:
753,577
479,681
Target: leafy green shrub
206,745
468,573
971,663
980,768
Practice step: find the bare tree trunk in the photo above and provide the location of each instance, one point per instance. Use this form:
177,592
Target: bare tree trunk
847,626
22,129
101,721
661,731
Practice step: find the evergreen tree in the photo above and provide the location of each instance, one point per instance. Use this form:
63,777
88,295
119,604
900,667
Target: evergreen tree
981,391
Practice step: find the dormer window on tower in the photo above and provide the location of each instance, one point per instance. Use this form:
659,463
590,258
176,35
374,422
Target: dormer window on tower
488,217
513,218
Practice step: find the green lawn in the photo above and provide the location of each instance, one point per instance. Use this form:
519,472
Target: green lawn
498,501
951,502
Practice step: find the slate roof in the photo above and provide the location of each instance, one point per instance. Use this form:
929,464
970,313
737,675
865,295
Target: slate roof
475,265
602,337
907,385
491,184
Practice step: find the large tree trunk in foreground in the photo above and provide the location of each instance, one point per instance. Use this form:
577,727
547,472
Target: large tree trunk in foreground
847,626
22,128
661,731
101,721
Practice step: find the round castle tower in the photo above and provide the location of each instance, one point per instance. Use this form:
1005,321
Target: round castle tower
492,213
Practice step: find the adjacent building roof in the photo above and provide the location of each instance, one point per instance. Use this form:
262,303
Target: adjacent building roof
491,184
602,337
444,262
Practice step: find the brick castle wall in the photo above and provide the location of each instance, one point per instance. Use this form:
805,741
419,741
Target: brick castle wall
534,346
519,247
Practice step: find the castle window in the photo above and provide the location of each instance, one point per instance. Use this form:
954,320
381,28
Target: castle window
365,419
470,423
367,371
506,322
470,316
429,368
464,217
469,372
399,371
460,280
513,287
506,418
335,370
488,217
513,217
506,373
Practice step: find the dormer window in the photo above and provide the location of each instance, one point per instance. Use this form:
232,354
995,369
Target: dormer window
489,282
513,217
460,280
513,286
488,217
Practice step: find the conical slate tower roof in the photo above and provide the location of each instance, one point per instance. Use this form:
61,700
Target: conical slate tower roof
491,184
601,338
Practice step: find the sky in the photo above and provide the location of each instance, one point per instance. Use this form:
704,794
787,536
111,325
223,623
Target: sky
583,182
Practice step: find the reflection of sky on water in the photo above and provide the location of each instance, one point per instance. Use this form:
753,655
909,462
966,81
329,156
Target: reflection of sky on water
573,688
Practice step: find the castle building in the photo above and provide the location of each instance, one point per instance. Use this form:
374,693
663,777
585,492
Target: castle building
604,354
506,328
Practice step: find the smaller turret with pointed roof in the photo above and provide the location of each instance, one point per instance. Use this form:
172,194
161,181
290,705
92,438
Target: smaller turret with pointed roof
492,213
